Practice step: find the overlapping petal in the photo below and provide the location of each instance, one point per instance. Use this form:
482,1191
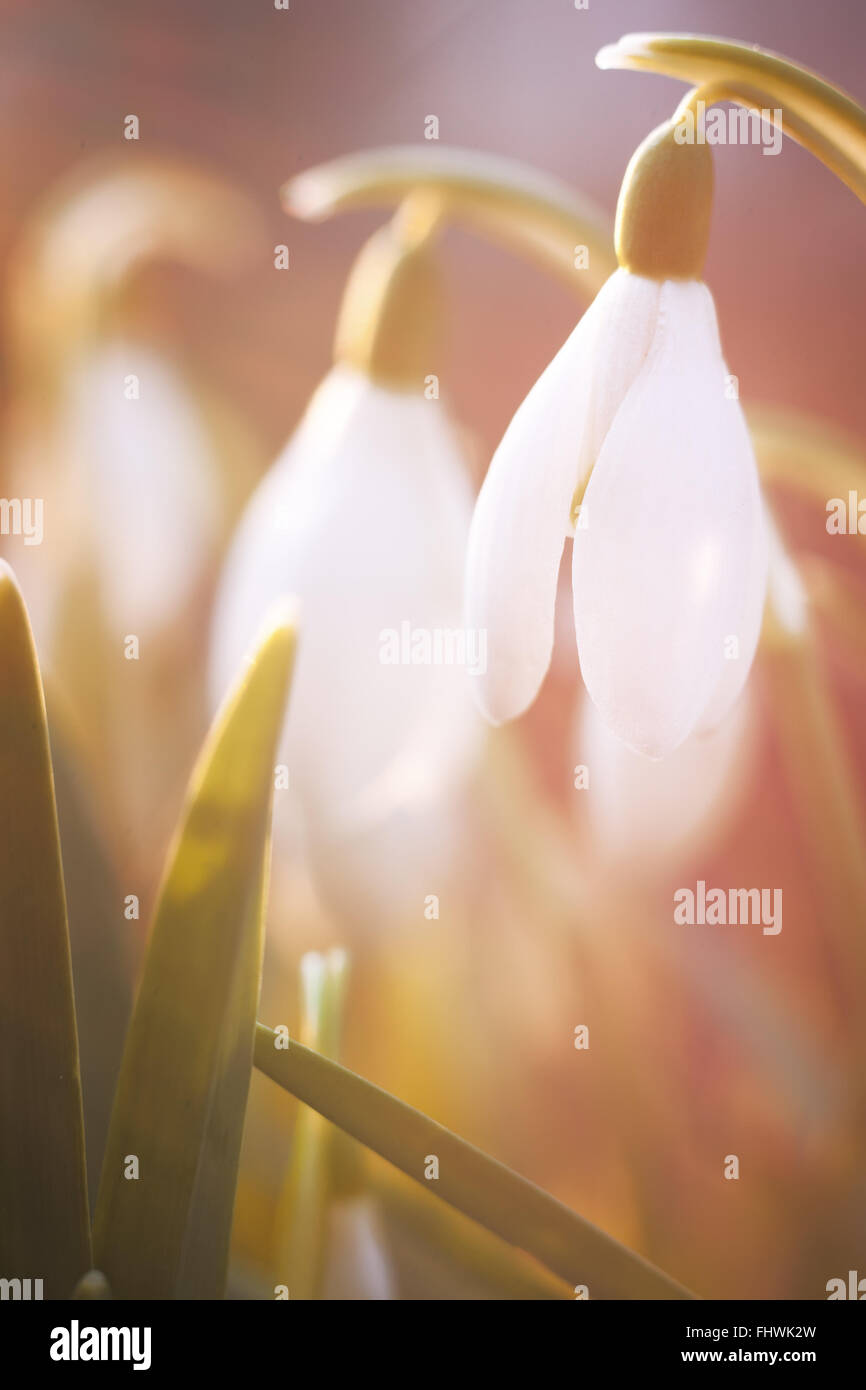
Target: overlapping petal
523,512
662,572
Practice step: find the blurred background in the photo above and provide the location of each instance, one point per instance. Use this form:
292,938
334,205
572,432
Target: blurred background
557,913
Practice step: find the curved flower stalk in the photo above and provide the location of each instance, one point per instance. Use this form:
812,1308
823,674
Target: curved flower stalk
815,113
511,203
365,517
94,232
631,443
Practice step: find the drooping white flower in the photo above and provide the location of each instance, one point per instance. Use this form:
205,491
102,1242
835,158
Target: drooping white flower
634,431
364,517
669,554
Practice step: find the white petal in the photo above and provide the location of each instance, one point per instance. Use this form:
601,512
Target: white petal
365,519
522,515
650,811
661,572
740,653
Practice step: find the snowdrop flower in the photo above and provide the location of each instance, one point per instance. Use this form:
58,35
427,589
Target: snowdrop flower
633,442
365,518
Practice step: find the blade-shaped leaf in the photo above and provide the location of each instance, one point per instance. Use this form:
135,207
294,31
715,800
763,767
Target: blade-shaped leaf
44,1229
473,1182
185,1074
100,955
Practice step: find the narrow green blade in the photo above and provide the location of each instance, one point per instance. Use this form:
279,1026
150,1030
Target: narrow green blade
44,1229
473,1182
100,956
179,1110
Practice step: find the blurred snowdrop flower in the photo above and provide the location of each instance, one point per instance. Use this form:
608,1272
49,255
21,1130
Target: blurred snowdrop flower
633,442
122,445
365,518
149,461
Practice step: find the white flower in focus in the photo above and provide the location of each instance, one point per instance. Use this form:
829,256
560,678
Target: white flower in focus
632,434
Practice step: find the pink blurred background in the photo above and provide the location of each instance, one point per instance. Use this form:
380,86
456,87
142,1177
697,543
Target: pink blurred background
257,95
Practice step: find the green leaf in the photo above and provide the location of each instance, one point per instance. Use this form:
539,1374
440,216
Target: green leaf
184,1079
100,951
44,1229
479,1186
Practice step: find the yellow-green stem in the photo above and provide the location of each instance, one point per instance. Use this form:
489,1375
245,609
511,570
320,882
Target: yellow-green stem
468,1179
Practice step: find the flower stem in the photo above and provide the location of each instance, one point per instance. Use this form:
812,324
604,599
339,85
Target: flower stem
468,1179
508,202
815,113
